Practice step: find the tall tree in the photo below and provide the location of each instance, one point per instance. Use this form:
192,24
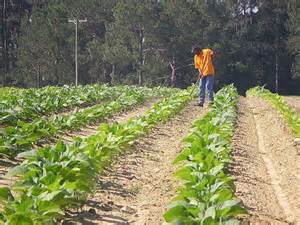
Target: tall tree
294,37
129,36
12,12
149,42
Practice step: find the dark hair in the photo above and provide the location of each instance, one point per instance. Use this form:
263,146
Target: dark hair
196,49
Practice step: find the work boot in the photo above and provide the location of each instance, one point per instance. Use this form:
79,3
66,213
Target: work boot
199,104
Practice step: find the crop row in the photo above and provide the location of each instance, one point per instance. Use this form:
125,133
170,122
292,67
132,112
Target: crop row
207,196
6,92
52,179
288,113
22,137
28,104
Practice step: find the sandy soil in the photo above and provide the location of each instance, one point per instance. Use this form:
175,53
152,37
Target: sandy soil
294,102
140,185
5,164
266,165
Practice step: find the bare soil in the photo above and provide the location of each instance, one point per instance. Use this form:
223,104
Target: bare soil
266,165
139,185
294,102
5,164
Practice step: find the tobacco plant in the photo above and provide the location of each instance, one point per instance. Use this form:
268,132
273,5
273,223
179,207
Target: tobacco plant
277,101
53,179
207,195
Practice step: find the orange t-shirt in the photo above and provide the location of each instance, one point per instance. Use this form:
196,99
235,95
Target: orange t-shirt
204,62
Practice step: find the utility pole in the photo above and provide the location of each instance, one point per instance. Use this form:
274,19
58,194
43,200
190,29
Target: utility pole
76,21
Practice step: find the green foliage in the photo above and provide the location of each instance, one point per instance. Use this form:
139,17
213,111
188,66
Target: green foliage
22,136
249,35
277,101
52,179
207,196
294,37
30,104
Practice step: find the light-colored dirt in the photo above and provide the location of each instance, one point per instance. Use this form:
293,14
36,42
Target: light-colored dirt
266,165
294,102
140,185
5,164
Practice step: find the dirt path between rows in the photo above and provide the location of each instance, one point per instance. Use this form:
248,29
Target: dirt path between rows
266,165
119,117
294,102
6,164
140,185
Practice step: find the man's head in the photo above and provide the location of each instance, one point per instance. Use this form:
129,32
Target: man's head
197,50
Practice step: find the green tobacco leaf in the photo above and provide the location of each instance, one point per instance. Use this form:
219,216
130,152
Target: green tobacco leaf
19,219
210,212
48,196
17,170
184,174
232,208
5,194
217,169
27,154
24,205
175,213
182,156
222,195
209,221
230,203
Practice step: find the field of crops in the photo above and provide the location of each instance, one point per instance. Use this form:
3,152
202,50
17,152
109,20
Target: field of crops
98,154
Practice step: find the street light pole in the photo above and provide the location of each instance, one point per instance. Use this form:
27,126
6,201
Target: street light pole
76,21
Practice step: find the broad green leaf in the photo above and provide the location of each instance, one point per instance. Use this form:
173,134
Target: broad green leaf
17,170
184,174
5,194
210,212
175,213
182,156
27,154
19,219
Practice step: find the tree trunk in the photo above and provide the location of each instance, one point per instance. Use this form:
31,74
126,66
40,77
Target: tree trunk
112,75
276,56
4,40
173,74
276,71
38,77
141,56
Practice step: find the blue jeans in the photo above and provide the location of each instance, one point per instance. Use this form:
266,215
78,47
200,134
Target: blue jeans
207,82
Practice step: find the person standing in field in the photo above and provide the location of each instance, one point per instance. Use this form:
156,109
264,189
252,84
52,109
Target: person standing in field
203,62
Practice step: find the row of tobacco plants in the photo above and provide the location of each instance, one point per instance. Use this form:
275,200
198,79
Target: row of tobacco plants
288,113
27,104
207,195
53,179
24,135
6,92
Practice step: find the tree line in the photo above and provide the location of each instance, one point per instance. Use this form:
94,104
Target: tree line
149,42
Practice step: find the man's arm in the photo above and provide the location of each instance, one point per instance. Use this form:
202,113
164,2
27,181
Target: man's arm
200,73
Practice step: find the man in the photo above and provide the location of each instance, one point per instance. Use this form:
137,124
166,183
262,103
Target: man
203,62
